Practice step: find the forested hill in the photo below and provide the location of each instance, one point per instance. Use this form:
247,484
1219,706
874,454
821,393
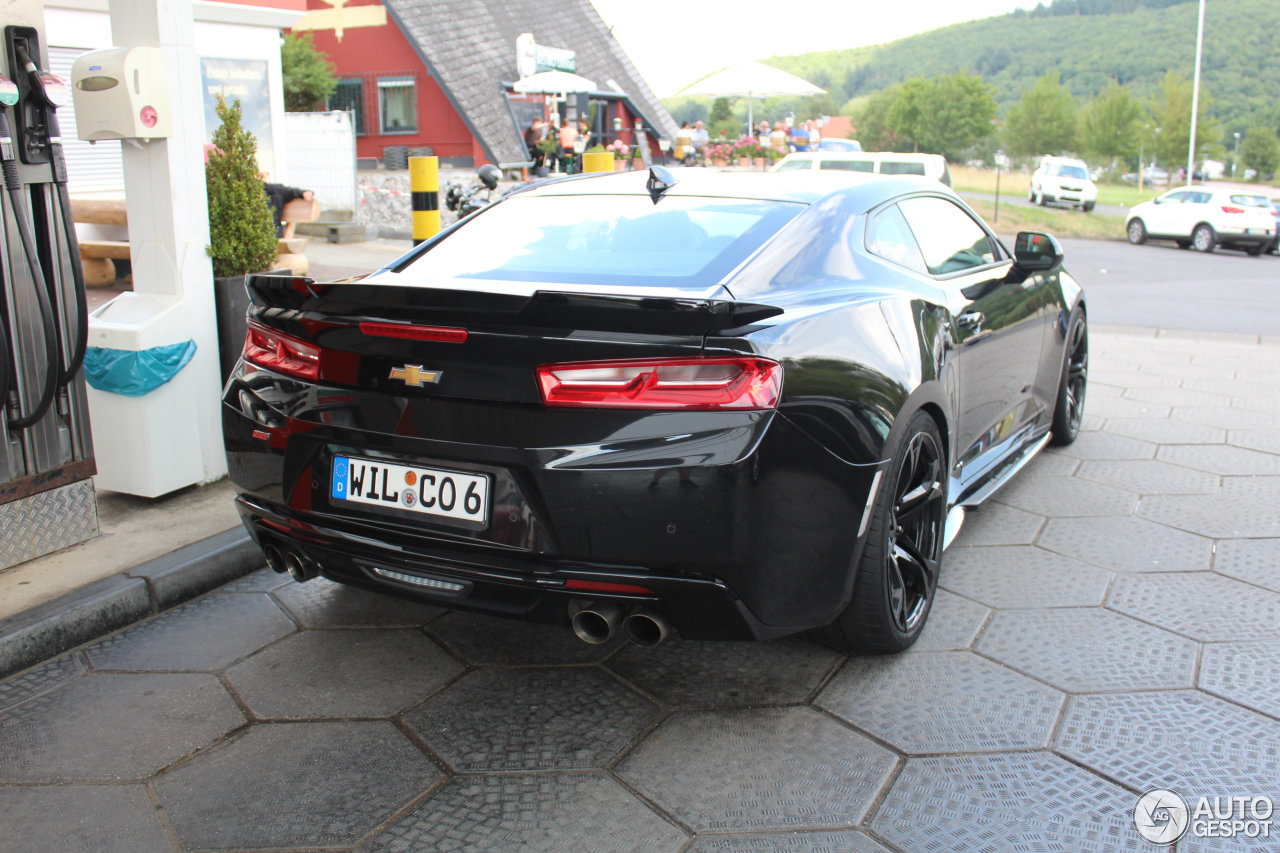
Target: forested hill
1088,42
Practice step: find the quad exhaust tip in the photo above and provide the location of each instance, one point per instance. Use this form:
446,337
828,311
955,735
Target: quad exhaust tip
275,560
646,628
299,567
596,623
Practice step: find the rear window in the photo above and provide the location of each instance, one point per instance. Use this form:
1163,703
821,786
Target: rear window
897,167
850,165
604,239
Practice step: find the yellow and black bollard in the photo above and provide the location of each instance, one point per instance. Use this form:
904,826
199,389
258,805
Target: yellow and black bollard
424,185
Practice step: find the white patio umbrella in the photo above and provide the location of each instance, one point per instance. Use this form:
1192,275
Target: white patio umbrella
553,83
751,80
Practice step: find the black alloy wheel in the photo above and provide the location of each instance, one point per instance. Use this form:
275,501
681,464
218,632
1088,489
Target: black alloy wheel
897,575
1068,412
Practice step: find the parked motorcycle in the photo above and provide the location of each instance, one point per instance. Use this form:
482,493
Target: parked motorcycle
465,201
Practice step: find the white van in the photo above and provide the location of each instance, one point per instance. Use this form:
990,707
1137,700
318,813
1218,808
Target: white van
881,162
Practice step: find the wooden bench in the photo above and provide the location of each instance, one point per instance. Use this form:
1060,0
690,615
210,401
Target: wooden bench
96,255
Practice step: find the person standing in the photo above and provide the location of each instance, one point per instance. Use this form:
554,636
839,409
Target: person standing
568,133
532,136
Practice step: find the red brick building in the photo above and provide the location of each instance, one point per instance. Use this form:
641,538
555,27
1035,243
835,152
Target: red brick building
436,75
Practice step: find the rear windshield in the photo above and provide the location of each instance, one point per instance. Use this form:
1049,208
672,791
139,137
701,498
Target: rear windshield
602,239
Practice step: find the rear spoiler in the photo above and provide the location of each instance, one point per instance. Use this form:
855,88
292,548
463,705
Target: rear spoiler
544,309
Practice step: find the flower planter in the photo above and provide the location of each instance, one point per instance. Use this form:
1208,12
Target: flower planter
619,165
597,162
744,161
760,162
720,163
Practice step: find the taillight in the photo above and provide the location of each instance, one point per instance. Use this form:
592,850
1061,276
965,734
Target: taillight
693,383
1227,209
415,333
281,353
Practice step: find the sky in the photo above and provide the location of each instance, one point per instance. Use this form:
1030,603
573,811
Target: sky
679,42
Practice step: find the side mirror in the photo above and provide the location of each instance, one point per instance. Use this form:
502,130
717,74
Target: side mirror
1034,251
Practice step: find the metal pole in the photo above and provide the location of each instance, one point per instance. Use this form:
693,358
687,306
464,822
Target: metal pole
1195,97
996,217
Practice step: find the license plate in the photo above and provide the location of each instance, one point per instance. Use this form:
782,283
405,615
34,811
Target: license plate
429,491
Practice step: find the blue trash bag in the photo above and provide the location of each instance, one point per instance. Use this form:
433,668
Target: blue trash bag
134,374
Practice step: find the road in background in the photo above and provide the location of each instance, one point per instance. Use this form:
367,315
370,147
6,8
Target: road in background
1158,285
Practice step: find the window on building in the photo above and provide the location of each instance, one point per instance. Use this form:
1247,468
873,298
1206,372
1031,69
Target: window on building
350,96
397,106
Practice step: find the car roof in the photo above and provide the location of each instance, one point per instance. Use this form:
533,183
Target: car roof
804,187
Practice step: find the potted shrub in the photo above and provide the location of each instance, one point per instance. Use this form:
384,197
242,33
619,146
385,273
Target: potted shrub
242,237
597,159
619,150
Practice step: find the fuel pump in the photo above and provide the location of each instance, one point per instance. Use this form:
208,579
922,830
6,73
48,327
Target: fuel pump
46,454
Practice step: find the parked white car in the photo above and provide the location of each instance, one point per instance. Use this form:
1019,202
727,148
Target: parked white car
1063,180
1203,219
878,162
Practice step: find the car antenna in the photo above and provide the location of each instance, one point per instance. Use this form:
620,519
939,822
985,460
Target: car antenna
660,180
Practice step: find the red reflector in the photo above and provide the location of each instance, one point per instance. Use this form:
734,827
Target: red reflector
414,333
694,383
1226,209
281,353
601,586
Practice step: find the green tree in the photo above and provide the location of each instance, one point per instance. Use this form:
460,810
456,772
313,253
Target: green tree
1111,123
722,118
242,237
1170,110
309,76
871,122
945,115
1043,121
1260,151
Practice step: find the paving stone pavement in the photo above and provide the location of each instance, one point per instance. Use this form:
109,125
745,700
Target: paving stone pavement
1108,624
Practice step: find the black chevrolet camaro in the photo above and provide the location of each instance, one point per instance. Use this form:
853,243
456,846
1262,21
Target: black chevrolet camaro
729,405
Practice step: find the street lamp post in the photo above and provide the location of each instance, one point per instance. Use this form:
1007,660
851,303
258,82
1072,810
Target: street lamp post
1235,157
1195,98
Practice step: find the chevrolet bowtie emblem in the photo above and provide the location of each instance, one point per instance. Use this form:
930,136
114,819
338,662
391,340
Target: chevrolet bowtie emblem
413,374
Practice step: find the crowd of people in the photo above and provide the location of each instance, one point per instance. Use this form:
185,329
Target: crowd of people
564,135
783,135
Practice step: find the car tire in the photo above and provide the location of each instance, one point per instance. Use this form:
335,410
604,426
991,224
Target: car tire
1203,239
1136,231
1041,199
1073,382
1031,195
1256,250
897,575
1088,206
1184,244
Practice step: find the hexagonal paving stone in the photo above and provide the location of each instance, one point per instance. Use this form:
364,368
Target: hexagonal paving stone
1086,649
1121,378
998,524
1200,605
544,812
532,719
727,674
93,817
1264,440
841,841
493,641
40,680
1224,417
113,727
1182,740
1149,477
208,634
1255,561
321,603
1127,544
1217,516
1166,431
1103,445
1221,459
1252,488
1025,801
1022,576
1063,497
295,785
1051,463
342,673
943,702
777,768
1176,397
1120,407
1246,673
953,623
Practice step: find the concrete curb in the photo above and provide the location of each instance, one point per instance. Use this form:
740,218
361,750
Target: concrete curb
115,602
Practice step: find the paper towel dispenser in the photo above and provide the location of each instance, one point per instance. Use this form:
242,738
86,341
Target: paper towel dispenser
121,93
